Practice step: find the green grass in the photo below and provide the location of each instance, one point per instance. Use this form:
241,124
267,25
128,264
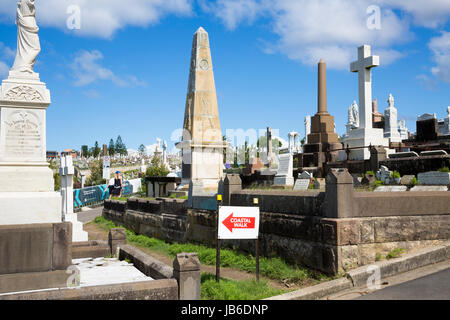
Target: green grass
396,253
273,268
235,290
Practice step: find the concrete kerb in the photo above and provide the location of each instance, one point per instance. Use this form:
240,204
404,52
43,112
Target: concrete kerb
316,292
358,277
403,264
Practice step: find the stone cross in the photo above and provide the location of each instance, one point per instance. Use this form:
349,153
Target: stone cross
363,65
66,172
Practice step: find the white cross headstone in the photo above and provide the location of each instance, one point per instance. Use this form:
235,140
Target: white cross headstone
359,139
66,172
363,65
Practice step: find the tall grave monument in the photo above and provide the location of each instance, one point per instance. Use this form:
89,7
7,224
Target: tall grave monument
27,190
202,145
365,134
323,139
35,245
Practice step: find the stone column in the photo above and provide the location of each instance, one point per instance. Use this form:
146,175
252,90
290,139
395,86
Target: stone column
339,194
186,269
231,184
322,85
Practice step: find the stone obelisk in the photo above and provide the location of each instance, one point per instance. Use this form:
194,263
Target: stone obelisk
202,145
322,137
26,182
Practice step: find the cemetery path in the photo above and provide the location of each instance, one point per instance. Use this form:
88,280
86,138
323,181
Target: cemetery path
96,233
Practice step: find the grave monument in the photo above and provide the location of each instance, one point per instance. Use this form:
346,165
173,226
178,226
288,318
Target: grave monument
365,135
391,126
27,190
202,145
323,142
35,248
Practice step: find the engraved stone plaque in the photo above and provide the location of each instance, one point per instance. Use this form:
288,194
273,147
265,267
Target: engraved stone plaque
22,137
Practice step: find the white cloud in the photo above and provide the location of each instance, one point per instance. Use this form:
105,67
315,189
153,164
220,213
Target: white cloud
310,30
440,46
101,18
234,12
429,13
87,69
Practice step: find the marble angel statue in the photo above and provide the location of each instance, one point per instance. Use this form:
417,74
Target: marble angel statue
28,46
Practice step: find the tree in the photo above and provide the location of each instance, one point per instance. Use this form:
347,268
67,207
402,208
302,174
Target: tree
96,150
111,148
120,147
157,168
85,151
96,177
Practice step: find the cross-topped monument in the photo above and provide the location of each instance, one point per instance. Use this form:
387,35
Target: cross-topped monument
363,65
359,139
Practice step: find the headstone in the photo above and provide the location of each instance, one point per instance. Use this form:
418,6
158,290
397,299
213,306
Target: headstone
446,129
284,174
403,130
401,155
143,166
202,144
301,184
294,142
357,179
305,175
390,123
27,193
407,180
427,127
66,172
384,175
434,178
391,189
429,188
359,139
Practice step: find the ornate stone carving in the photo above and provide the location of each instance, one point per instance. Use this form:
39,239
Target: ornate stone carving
23,93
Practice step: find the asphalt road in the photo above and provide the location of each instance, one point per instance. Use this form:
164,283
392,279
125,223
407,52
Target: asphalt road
87,216
435,286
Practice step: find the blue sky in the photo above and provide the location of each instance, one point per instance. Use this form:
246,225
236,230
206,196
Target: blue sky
126,70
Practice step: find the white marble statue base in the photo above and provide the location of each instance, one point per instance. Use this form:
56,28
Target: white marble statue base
26,178
283,181
78,234
363,137
30,207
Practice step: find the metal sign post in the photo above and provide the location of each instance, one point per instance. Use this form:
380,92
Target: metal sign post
236,223
219,203
255,203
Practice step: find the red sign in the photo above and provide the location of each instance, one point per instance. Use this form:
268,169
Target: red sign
239,222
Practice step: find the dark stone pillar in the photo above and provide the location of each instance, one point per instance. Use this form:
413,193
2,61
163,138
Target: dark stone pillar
377,154
116,237
339,194
231,184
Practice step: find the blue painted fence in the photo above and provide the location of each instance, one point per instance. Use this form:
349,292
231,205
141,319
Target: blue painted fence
95,194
